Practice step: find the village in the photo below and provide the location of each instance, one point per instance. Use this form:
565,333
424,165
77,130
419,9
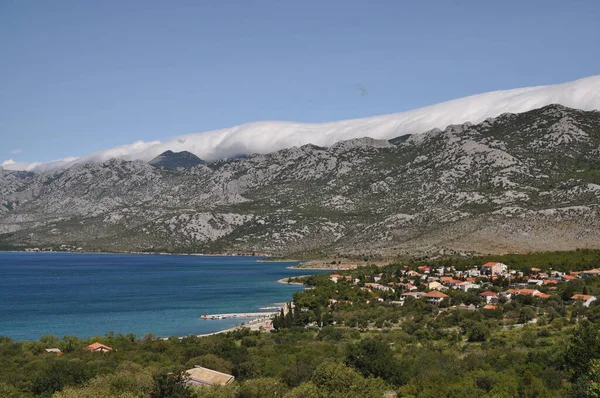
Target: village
493,282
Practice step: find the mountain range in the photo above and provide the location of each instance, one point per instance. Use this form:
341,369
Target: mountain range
514,183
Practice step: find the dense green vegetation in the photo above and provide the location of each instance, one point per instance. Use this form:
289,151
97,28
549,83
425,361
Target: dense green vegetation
342,340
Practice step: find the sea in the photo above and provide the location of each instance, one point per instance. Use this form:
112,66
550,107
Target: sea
87,295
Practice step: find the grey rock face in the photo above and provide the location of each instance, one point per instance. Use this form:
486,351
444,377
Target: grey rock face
517,182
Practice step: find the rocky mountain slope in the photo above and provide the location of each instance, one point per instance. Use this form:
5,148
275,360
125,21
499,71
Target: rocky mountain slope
519,182
173,160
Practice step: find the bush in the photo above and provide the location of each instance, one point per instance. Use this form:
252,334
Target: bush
477,331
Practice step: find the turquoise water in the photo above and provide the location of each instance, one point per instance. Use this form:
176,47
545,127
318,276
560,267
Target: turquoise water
91,294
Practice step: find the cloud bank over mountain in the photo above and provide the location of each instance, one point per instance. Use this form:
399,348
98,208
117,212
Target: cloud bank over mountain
268,136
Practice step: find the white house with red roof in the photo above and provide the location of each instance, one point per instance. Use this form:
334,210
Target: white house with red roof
493,268
435,297
489,297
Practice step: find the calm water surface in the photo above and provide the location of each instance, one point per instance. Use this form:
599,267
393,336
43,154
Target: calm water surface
91,294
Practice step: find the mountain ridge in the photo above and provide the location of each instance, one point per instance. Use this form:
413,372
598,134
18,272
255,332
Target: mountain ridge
517,182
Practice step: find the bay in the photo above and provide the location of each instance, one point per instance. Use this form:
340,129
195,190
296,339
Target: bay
87,295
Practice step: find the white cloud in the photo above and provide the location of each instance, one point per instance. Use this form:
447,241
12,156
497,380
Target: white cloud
264,137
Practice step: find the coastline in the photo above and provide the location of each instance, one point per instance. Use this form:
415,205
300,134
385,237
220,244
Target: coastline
336,265
287,280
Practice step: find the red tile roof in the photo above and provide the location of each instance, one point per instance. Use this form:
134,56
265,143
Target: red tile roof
98,347
584,297
489,294
490,265
527,292
435,294
491,307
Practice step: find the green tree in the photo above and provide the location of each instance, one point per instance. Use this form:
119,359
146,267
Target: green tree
339,381
170,385
477,331
265,387
374,358
8,391
584,347
58,374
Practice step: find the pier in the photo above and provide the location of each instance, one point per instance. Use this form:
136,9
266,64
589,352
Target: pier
240,315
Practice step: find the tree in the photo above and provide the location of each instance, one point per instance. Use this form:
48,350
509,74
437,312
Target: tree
584,347
374,358
170,385
58,374
266,387
477,331
526,314
7,391
339,381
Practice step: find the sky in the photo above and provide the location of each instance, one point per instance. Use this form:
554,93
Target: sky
79,76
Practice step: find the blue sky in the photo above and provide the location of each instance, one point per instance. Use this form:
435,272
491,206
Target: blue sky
79,76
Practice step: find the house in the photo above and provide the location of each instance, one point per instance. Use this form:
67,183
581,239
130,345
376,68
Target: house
335,277
491,307
379,287
527,292
590,273
435,297
55,351
465,307
453,282
465,286
199,376
435,285
587,299
493,268
97,347
550,282
537,282
415,295
489,297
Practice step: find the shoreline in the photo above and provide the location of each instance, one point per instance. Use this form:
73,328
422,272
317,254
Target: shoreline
287,282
